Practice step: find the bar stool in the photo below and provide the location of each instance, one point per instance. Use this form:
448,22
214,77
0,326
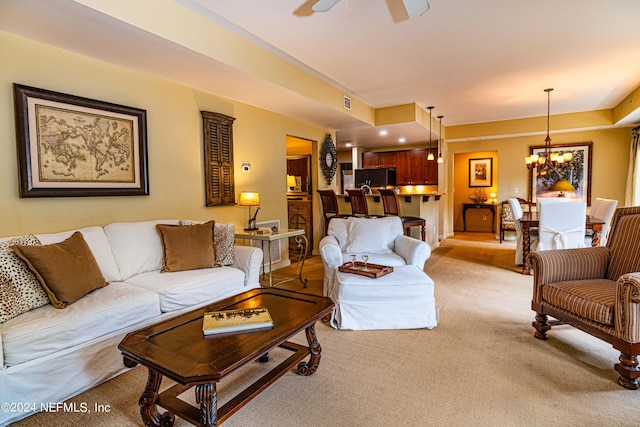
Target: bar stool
359,205
329,207
391,207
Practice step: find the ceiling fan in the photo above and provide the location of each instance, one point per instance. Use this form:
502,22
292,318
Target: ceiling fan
414,8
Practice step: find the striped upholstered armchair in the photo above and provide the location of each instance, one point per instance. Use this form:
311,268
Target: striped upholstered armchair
596,290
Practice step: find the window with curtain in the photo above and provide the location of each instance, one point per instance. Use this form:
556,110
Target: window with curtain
632,196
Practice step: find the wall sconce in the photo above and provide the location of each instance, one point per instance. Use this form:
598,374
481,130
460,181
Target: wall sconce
250,198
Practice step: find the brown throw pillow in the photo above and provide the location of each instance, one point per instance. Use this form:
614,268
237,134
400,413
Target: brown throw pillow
187,247
67,270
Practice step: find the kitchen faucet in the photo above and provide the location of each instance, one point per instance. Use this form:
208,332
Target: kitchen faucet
366,187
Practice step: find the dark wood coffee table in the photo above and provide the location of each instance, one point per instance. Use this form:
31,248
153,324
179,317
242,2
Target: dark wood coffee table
177,349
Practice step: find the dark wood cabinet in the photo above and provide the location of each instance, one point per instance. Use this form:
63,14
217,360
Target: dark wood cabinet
300,217
385,159
412,166
403,168
432,171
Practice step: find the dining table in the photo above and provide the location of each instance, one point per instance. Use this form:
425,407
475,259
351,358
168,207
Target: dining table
531,220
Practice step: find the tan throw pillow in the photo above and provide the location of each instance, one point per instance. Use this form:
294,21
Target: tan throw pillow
223,241
20,290
187,247
67,270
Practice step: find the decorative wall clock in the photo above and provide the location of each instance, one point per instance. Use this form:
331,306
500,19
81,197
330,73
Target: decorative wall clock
328,159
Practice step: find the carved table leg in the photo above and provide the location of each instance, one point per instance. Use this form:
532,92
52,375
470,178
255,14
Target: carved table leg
541,326
310,367
148,409
628,370
595,238
207,398
128,362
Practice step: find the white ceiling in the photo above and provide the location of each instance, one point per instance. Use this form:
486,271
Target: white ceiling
474,60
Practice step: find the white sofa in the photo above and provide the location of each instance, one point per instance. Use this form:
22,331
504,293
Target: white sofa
48,355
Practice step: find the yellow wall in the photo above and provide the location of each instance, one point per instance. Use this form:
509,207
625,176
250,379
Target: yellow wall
174,127
609,165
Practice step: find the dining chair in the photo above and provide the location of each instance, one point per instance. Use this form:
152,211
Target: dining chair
359,205
516,210
562,224
391,207
329,207
602,209
506,215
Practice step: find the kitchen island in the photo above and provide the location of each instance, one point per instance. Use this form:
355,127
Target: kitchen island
422,205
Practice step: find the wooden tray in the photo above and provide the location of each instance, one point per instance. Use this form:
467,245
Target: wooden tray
374,270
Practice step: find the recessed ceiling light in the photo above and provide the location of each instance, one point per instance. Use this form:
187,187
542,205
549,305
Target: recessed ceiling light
348,144
402,140
383,133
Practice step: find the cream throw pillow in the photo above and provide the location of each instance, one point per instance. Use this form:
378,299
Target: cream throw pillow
20,290
369,235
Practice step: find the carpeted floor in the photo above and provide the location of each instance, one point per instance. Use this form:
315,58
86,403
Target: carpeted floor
480,366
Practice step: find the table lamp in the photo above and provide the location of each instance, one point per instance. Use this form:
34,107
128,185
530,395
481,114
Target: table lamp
562,185
291,182
250,198
492,198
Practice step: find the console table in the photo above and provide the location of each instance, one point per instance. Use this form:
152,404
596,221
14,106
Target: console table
490,206
266,235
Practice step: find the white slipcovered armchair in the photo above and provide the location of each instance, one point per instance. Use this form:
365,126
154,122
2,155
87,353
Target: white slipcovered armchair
382,239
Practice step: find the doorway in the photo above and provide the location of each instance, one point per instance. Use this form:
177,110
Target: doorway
300,187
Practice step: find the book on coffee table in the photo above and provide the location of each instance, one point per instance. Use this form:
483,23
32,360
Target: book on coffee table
226,321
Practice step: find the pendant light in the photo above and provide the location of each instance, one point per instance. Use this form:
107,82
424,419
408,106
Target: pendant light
430,155
546,163
440,141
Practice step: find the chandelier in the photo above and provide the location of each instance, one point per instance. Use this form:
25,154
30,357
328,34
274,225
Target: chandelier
440,142
546,163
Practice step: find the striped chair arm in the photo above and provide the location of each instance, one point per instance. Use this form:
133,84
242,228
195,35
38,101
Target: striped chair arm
560,265
627,309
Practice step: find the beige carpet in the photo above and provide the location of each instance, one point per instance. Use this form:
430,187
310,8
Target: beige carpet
480,366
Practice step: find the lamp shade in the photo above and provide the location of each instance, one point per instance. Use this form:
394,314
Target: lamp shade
291,181
249,198
562,185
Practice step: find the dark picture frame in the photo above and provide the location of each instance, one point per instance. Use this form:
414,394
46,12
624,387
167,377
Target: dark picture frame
577,171
70,146
481,172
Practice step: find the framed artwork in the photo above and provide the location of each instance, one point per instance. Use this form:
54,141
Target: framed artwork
576,171
481,172
70,146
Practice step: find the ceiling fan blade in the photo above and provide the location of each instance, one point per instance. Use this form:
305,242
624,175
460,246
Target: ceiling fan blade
324,5
415,7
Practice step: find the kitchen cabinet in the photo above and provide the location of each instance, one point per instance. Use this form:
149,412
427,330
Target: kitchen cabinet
412,166
385,159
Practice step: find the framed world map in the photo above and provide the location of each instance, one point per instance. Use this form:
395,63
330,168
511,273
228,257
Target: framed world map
72,146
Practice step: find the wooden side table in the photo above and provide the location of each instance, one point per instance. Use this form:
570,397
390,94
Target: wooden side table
266,235
490,206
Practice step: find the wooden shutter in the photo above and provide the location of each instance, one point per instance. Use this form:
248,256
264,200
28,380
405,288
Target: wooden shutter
218,159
